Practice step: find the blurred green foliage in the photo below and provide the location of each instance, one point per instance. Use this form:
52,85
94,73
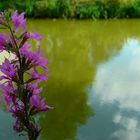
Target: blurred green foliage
80,9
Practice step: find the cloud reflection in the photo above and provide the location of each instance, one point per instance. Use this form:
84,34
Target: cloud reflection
119,79
130,129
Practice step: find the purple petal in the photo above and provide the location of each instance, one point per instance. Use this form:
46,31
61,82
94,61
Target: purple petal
36,36
19,21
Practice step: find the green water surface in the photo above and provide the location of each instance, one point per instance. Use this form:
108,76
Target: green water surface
94,80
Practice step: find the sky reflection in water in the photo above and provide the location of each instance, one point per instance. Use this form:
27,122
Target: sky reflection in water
116,91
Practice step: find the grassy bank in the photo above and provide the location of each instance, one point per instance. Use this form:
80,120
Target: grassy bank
80,9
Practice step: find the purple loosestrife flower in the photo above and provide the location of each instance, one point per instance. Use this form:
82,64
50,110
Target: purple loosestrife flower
20,87
39,78
39,104
35,36
17,110
34,58
19,21
18,113
25,48
9,93
32,89
8,70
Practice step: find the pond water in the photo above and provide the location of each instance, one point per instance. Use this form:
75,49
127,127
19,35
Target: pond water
94,80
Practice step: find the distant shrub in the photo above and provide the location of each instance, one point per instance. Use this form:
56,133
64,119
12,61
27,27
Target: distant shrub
64,7
81,9
108,9
111,8
39,9
88,10
52,8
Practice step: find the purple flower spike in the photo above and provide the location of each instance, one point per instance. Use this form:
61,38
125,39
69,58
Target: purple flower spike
20,76
19,21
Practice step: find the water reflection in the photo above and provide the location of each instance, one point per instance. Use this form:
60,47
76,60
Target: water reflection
82,54
71,110
129,127
6,132
118,80
118,83
70,75
75,50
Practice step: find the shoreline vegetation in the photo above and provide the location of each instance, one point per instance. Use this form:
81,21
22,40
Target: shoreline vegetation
79,9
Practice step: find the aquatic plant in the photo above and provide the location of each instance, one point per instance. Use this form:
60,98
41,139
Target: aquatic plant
20,76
